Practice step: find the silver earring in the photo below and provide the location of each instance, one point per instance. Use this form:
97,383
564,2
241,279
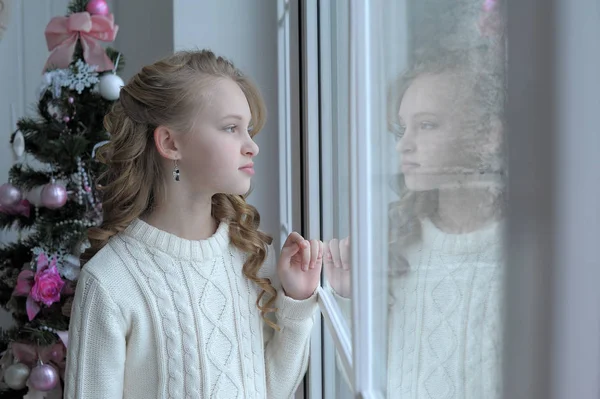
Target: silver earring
176,171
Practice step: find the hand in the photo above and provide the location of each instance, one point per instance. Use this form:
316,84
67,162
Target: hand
299,266
337,266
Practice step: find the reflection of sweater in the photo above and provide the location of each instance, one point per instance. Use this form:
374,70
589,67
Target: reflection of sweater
157,316
445,318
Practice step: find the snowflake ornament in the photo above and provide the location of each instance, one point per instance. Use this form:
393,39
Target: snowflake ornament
69,267
82,76
54,81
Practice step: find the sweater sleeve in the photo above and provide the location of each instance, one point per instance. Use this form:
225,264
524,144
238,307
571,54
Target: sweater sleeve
96,354
287,350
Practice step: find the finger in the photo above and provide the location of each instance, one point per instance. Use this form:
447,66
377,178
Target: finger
334,247
305,255
314,253
327,261
327,258
294,243
319,262
345,253
289,250
294,238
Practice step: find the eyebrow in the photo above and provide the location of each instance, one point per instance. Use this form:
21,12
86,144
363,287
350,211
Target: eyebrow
419,114
233,116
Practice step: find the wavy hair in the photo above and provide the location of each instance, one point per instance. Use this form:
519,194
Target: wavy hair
160,95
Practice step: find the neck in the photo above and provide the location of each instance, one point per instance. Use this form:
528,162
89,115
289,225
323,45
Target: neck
184,214
465,210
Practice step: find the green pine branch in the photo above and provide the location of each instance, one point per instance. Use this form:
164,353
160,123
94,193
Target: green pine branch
18,221
14,255
27,178
77,6
29,334
113,55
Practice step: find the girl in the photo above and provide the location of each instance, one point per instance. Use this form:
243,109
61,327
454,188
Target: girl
180,295
446,235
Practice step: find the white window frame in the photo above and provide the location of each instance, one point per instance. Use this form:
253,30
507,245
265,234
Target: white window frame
311,224
337,344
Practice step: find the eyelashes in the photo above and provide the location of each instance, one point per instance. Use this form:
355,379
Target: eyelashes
234,128
399,129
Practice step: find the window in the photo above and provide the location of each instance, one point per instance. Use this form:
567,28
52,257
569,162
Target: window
457,194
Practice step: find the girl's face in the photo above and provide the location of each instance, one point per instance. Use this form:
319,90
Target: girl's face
217,154
438,145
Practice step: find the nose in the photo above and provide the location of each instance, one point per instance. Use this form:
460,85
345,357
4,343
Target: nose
407,143
250,148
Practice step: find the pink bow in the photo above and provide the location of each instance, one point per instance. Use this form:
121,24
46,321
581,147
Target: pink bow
23,208
62,34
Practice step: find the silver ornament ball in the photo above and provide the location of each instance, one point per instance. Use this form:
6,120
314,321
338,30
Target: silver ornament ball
16,375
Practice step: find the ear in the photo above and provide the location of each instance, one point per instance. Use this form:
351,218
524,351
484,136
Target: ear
166,143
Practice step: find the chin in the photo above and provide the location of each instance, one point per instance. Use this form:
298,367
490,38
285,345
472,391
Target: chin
239,190
416,182
420,183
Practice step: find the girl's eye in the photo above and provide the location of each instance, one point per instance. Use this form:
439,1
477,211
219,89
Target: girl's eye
428,125
230,129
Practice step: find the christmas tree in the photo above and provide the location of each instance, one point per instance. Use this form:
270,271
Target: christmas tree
50,198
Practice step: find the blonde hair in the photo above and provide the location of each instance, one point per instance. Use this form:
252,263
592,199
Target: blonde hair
161,95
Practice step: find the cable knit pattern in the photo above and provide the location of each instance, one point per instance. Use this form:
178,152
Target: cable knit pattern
444,338
157,316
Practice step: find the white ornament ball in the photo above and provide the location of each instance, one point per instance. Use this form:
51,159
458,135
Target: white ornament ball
16,376
110,86
35,195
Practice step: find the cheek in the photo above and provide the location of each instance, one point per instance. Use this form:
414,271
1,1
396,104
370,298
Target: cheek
213,158
445,148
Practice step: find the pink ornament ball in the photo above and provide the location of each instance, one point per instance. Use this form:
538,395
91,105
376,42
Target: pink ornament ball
9,195
97,7
54,196
43,377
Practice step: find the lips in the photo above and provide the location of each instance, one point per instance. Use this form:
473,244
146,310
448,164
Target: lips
408,166
248,168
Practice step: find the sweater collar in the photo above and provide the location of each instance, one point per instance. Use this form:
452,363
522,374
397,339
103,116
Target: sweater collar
178,247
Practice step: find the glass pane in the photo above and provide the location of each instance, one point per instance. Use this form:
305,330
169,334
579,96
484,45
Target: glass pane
334,79
437,171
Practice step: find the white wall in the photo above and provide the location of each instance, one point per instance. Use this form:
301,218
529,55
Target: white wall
145,32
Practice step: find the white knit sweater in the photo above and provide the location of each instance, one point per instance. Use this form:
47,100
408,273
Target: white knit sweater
445,329
157,316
